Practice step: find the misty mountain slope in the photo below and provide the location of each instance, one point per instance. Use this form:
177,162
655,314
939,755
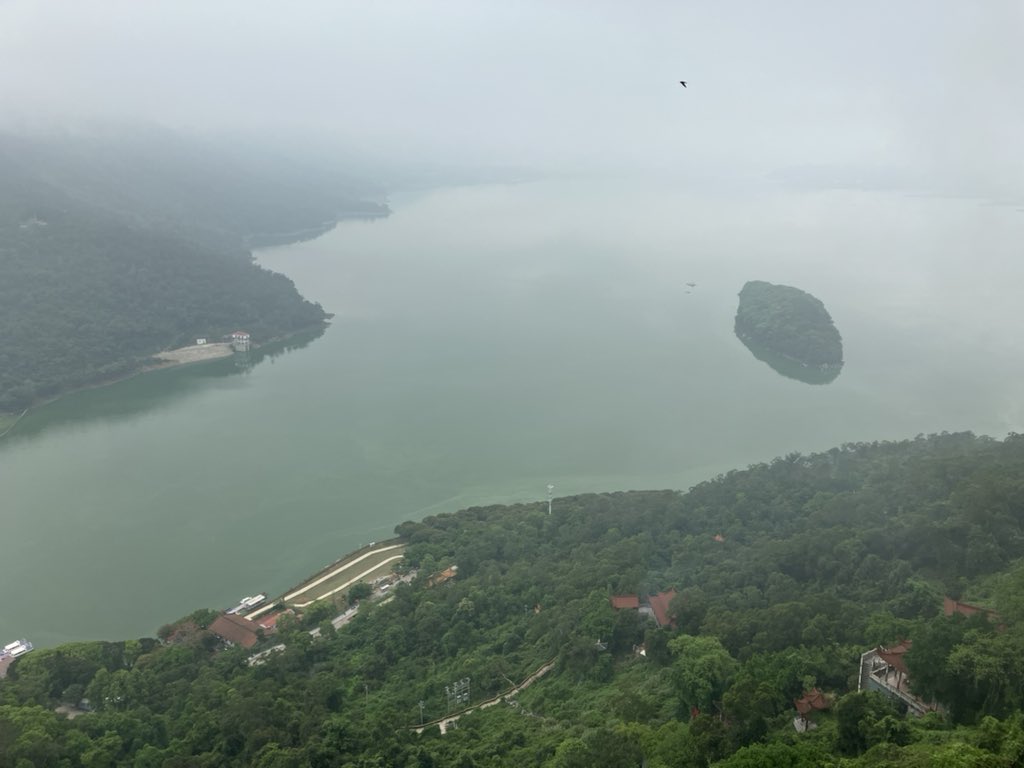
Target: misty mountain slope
217,194
108,257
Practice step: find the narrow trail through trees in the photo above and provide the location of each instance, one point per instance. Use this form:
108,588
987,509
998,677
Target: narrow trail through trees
448,721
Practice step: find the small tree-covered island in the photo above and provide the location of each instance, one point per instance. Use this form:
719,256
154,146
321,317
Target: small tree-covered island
790,330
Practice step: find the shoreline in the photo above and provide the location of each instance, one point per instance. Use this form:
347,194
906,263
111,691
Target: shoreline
264,240
146,364
193,353
321,574
162,364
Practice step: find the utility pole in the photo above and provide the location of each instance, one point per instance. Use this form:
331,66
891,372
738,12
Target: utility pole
550,489
457,693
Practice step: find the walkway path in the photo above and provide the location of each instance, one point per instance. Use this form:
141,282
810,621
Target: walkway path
350,582
446,722
325,577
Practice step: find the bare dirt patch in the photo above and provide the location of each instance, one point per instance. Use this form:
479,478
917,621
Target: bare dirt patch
197,353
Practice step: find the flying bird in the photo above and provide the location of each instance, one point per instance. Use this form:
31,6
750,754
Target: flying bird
682,83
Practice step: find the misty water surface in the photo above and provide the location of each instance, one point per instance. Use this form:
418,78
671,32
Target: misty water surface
488,341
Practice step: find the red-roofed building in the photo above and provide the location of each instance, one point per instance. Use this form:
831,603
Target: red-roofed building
893,656
951,606
885,670
628,602
812,701
441,577
237,630
655,606
269,622
660,605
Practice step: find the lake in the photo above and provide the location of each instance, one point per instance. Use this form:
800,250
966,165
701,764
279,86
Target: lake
489,340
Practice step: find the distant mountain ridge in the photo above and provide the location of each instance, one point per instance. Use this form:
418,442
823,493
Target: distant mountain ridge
202,191
115,247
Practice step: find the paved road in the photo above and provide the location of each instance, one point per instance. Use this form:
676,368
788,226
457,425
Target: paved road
350,582
260,611
339,569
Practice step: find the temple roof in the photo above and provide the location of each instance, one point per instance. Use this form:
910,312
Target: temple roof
810,701
625,601
893,656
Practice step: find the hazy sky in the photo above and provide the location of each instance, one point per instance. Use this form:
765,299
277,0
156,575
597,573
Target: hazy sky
927,92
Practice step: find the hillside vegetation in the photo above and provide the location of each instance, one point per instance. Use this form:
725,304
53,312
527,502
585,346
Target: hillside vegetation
115,248
785,572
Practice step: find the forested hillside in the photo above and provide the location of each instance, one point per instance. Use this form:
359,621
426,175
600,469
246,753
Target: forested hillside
114,248
785,574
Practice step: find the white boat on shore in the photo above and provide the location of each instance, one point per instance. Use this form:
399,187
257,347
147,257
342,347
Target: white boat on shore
248,602
15,649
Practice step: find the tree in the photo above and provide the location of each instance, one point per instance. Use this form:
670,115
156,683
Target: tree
359,591
952,662
866,718
989,672
776,755
751,705
701,671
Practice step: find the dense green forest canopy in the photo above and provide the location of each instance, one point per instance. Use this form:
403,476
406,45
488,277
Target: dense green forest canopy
789,322
114,248
786,572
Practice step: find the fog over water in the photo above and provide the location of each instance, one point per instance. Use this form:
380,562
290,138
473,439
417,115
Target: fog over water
491,338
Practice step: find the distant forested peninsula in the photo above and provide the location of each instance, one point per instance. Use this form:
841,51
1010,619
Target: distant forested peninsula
115,247
790,330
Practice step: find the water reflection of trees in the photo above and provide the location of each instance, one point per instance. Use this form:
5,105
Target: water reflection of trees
791,369
151,391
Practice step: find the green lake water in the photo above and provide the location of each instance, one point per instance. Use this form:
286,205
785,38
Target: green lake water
488,341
